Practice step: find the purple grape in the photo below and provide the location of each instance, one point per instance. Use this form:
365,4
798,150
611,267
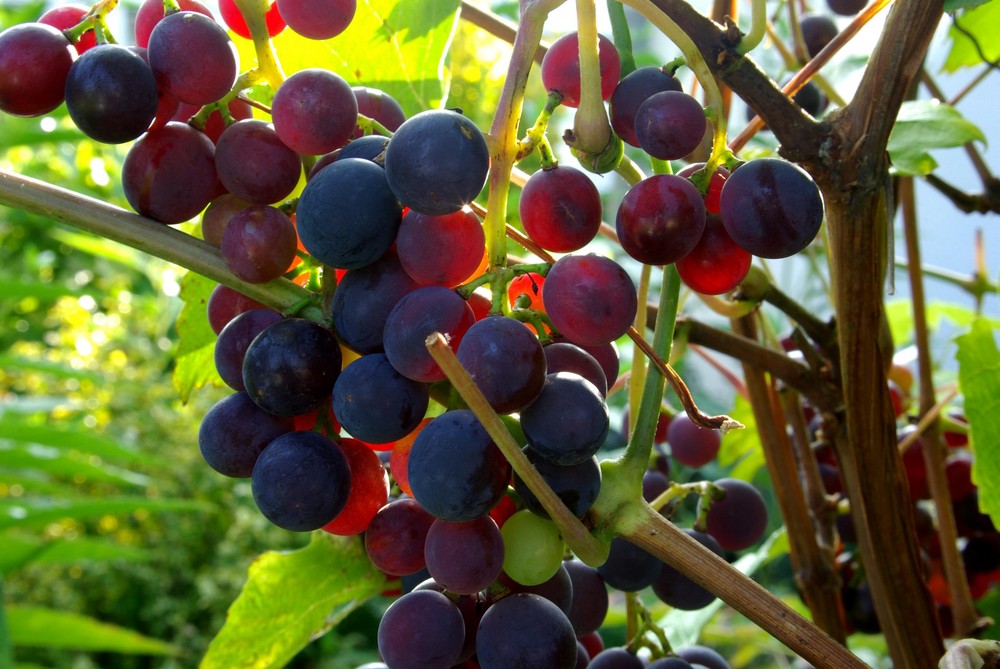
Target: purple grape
416,316
193,57
590,299
670,125
364,298
590,597
739,519
660,219
505,360
377,404
235,431
314,111
632,91
254,164
464,557
566,357
421,630
235,338
525,630
679,591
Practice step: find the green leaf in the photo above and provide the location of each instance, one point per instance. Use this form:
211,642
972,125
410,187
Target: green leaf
58,370
15,289
69,465
900,316
684,627
979,379
740,451
398,47
983,23
21,551
33,512
38,627
923,125
195,354
70,438
952,6
291,598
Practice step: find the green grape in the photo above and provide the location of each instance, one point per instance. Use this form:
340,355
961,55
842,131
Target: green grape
533,548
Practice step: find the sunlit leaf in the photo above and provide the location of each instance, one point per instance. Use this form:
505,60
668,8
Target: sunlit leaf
196,348
102,248
979,379
740,451
56,462
38,627
32,512
70,437
900,316
983,24
59,370
291,598
924,125
398,47
13,289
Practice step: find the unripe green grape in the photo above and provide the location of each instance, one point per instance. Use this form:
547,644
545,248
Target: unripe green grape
533,548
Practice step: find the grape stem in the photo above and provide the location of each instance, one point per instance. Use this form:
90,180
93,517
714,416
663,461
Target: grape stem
758,27
622,36
146,235
254,12
591,128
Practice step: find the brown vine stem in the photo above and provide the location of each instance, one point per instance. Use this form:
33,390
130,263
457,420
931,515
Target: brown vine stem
646,528
964,614
495,25
145,235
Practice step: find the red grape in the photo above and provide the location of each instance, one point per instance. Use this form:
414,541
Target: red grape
35,60
314,111
233,17
560,209
561,68
317,19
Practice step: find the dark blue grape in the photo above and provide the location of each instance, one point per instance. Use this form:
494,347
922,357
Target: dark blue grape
669,663
567,357
590,597
739,519
704,656
347,217
377,404
301,481
525,630
456,472
235,431
421,630
231,346
291,366
505,360
558,589
679,591
364,298
437,161
628,567
419,314
568,423
615,658
576,485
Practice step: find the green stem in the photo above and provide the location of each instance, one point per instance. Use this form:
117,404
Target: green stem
503,131
535,136
758,27
585,545
254,12
640,443
146,235
637,375
629,171
621,35
591,128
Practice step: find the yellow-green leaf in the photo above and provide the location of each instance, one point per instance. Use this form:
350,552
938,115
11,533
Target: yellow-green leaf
39,627
291,598
979,379
196,349
979,28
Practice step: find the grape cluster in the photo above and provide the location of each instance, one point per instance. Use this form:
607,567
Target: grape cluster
319,409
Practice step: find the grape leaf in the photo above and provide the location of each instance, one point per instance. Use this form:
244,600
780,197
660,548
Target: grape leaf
982,23
923,125
398,47
195,354
24,512
39,627
291,598
979,379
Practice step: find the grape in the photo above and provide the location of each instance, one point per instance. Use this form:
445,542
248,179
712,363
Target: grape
592,643
301,481
691,444
399,459
150,13
35,59
560,209
369,489
525,630
739,519
661,219
233,17
290,367
259,243
566,357
363,300
772,208
225,304
421,630
234,338
704,656
714,184
317,19
590,299
193,56
368,147
464,557
505,360
632,91
111,94
395,537
169,173
314,111
576,485
670,663
958,470
615,658
455,470
380,106
569,422
377,404
628,567
235,431
679,591
561,68
716,264
440,250
590,597
533,548
818,30
65,17
217,216
558,589
415,317
846,7
605,354
654,484
437,161
670,125
347,216
525,291
254,164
